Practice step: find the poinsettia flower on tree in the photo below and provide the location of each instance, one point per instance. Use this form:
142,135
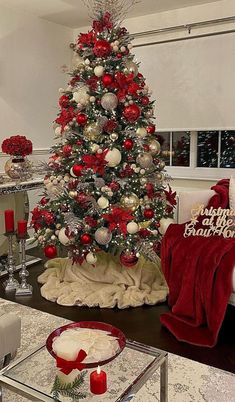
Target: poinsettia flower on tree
118,219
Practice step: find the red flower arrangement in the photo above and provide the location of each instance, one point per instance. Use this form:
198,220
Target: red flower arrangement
17,145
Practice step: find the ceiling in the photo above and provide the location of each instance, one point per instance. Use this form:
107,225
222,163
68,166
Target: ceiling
73,13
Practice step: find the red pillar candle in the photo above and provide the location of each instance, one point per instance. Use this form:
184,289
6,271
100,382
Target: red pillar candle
98,382
9,220
22,228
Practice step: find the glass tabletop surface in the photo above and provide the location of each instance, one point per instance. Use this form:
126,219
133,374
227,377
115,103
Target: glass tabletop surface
38,370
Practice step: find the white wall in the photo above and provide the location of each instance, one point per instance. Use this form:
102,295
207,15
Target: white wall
32,52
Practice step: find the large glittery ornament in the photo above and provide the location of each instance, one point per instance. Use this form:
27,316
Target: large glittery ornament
154,147
92,131
145,160
109,101
132,112
102,48
128,259
103,236
113,157
130,201
50,251
131,67
62,237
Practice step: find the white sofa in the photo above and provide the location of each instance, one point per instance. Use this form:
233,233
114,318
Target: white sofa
187,200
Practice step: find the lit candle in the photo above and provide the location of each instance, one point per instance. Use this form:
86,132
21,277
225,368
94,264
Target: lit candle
9,220
22,228
98,382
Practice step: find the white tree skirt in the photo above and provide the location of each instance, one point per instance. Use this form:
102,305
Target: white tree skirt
107,284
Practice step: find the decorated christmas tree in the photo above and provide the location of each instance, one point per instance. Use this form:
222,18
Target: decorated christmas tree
105,188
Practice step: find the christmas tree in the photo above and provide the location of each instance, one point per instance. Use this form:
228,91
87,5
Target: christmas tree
105,188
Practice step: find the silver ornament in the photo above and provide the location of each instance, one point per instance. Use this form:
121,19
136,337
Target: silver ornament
131,67
103,236
154,147
109,101
145,160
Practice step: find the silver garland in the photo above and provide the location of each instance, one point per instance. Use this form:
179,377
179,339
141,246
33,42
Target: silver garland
117,8
147,251
73,223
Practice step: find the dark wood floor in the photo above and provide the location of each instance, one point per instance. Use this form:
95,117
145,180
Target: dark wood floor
141,324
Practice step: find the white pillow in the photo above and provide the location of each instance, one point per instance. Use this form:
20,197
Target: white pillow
232,192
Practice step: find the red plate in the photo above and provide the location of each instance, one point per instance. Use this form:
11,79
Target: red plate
92,325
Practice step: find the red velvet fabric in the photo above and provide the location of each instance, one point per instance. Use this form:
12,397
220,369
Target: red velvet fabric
198,271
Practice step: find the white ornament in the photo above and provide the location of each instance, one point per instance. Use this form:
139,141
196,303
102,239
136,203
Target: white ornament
62,237
58,131
123,49
92,99
164,223
113,157
91,258
103,202
115,48
103,236
132,227
82,96
109,101
99,71
71,172
141,132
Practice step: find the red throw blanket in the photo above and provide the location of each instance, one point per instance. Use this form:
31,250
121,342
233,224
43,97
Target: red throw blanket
198,271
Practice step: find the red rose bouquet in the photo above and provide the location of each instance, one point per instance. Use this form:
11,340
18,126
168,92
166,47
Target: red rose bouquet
17,145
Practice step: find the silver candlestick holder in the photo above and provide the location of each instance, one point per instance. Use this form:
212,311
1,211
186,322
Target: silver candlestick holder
11,283
24,288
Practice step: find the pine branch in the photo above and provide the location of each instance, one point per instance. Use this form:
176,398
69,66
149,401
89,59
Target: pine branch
70,390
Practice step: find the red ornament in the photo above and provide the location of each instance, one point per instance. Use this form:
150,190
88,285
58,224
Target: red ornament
50,251
146,147
132,113
119,55
107,80
128,144
86,238
144,233
67,150
81,119
77,170
79,142
151,129
144,100
148,213
102,48
64,101
44,201
128,259
114,186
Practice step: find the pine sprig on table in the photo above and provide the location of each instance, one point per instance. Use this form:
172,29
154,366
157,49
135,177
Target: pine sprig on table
70,390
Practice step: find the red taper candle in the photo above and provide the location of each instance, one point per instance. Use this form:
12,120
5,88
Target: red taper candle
98,382
9,220
22,228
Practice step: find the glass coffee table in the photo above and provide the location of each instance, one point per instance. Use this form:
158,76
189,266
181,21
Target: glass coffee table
34,374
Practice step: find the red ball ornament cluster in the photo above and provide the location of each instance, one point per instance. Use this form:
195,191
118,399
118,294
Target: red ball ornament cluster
132,113
128,259
67,150
50,251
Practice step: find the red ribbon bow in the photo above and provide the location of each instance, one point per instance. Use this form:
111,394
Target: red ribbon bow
67,366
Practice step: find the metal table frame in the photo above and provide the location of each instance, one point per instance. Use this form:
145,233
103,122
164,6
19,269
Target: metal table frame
160,361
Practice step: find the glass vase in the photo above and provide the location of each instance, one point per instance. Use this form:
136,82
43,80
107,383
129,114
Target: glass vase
18,168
